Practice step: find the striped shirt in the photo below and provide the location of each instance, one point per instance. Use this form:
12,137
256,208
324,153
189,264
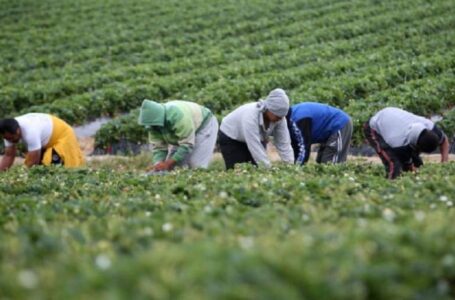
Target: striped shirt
183,119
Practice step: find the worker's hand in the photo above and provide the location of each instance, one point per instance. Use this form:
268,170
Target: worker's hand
150,169
33,158
166,165
410,167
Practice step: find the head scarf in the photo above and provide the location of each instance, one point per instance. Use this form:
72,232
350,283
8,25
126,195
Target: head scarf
276,102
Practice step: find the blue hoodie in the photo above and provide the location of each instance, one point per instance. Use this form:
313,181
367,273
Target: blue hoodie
323,120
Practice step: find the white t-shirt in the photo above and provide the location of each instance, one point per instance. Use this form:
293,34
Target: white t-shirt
36,129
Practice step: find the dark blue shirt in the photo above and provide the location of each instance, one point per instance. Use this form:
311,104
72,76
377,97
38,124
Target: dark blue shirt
325,121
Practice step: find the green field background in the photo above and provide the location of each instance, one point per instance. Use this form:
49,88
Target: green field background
84,59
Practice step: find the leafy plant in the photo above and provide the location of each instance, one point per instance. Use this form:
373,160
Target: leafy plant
304,232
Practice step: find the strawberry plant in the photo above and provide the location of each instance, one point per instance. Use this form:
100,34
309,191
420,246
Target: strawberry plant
304,232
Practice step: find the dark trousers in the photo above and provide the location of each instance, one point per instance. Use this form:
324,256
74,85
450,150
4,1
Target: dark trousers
395,160
234,152
335,149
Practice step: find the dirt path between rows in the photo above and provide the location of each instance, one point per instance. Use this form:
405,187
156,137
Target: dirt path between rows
87,148
87,145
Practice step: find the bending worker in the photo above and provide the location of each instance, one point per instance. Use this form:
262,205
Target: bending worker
398,137
315,123
48,139
244,132
183,133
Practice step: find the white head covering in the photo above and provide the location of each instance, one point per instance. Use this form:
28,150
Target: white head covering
277,102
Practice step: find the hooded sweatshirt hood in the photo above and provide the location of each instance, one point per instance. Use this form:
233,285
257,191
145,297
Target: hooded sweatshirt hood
276,102
151,114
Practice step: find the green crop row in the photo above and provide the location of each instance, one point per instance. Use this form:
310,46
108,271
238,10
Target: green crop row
48,91
427,96
318,232
448,122
95,63
73,83
356,86
140,37
128,94
351,54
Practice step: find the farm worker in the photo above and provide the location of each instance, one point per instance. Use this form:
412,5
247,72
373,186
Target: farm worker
399,136
183,133
48,139
315,123
245,131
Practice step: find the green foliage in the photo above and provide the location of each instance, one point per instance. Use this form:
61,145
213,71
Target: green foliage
318,232
384,57
121,129
448,123
82,62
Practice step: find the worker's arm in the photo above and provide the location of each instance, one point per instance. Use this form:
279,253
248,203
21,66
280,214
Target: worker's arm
160,148
33,158
183,128
444,148
282,142
443,143
303,130
8,159
159,152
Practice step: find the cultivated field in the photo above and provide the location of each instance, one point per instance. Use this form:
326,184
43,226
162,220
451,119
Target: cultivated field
321,232
312,232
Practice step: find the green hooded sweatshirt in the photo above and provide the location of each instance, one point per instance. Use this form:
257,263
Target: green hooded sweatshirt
173,123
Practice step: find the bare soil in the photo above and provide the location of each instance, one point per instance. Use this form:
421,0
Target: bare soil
87,145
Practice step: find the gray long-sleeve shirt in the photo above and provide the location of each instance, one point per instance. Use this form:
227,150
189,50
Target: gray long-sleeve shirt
246,124
399,127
